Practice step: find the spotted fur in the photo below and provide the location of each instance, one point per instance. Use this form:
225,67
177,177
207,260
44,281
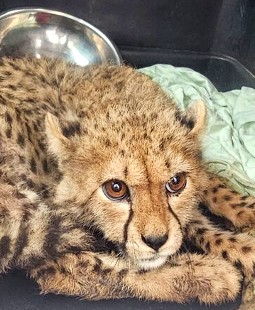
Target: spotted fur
64,132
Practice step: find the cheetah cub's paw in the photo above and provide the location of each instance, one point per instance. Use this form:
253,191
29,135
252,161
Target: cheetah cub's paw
214,279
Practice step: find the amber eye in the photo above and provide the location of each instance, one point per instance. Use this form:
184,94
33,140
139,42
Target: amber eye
115,190
177,183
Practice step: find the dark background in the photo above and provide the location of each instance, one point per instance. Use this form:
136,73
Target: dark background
214,37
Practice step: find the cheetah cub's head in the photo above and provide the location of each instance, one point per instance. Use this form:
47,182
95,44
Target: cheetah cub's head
133,172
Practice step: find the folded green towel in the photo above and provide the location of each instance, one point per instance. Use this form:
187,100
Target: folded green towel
229,142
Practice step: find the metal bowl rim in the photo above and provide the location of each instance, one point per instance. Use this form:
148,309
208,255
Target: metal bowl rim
11,12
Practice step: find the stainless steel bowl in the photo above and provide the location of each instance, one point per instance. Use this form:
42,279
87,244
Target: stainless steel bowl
41,32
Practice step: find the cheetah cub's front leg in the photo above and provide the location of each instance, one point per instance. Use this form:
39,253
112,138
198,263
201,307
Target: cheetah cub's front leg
185,277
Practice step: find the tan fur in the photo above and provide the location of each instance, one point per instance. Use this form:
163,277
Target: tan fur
64,132
226,203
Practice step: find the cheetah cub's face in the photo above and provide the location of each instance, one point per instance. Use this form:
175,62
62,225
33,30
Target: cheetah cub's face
135,177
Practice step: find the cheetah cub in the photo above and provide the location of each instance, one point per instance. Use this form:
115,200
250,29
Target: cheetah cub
101,187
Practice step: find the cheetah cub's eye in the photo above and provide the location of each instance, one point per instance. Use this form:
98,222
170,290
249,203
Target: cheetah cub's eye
115,190
177,183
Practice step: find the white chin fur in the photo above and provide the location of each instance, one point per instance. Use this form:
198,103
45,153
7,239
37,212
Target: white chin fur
147,264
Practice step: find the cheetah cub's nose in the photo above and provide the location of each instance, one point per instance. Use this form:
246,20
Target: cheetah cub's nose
155,242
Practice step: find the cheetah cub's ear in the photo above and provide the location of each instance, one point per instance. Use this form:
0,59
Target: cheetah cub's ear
58,144
197,113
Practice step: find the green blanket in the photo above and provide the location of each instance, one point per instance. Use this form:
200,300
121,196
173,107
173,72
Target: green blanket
229,142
